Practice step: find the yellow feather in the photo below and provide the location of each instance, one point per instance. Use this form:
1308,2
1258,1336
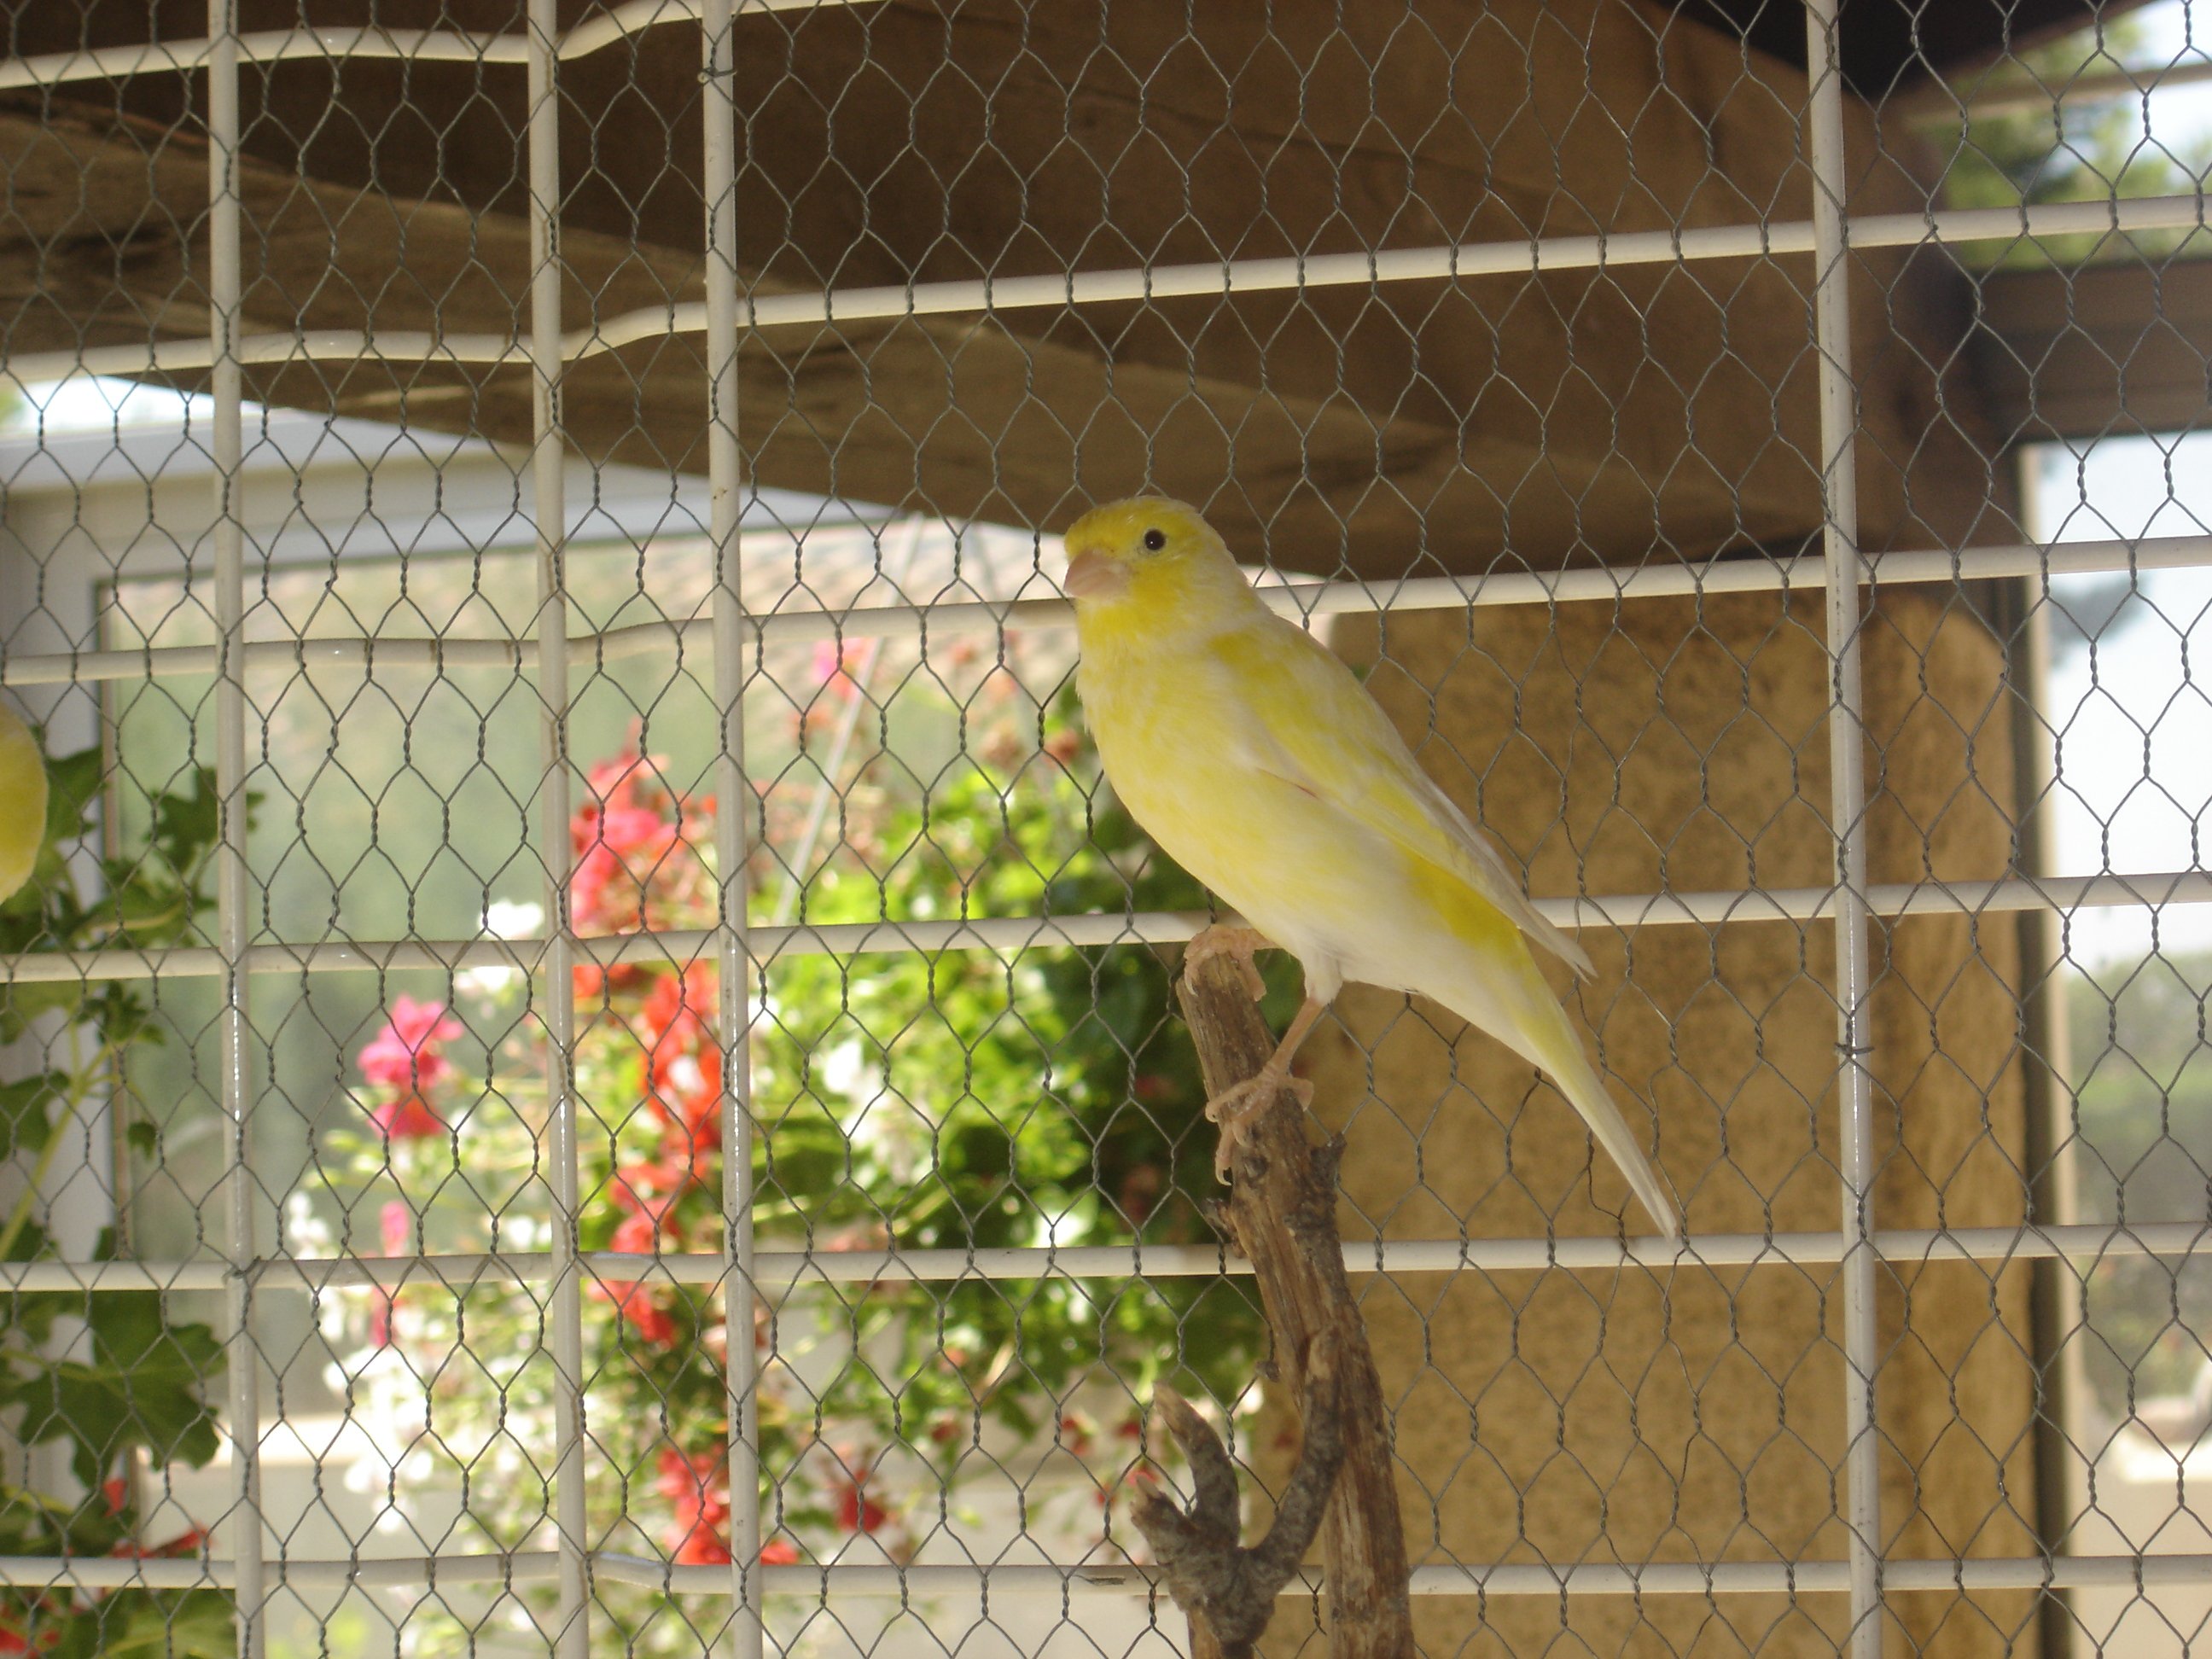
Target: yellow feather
22,802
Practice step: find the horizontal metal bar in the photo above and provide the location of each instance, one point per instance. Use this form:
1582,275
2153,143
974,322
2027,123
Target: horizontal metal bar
924,1581
336,43
799,1269
1625,911
1609,585
1943,107
1220,279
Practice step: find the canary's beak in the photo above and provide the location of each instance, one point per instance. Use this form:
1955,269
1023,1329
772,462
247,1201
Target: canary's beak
1092,576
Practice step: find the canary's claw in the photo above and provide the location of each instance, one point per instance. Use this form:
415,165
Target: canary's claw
1234,1108
1221,940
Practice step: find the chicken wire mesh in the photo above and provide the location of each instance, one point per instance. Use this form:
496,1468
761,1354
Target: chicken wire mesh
570,813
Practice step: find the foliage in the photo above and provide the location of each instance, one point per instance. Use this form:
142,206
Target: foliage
2142,1059
2075,153
109,1376
900,1102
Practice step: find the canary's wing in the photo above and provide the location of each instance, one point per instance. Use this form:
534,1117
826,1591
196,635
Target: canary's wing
1307,720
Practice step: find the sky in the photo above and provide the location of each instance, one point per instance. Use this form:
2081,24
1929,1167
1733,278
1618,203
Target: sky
2172,35
85,404
2133,707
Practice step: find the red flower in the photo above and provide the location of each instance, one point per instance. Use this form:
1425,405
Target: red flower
779,1553
185,1543
700,1480
404,1054
701,1548
407,1117
640,1234
635,1302
698,1485
650,1188
683,1063
856,1510
13,1639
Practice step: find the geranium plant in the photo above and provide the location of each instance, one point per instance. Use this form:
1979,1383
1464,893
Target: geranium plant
899,1101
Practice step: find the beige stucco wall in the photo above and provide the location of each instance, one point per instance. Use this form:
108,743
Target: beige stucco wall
1696,1414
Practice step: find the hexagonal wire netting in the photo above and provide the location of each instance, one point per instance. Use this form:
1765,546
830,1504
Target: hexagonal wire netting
574,490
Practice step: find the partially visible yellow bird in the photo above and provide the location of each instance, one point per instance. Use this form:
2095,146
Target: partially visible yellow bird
1254,757
22,802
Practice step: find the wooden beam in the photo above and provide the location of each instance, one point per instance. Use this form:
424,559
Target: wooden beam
2107,351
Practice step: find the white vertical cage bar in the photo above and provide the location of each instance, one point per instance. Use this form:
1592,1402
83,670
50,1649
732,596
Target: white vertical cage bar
733,996
1862,1468
232,877
558,990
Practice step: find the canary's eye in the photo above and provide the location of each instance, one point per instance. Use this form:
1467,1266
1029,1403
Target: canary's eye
1155,540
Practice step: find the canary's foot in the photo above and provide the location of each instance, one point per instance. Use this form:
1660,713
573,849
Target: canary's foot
1234,1108
1222,940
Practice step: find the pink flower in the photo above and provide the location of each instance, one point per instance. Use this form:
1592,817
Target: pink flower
834,663
621,842
779,1553
405,1058
404,1054
396,1222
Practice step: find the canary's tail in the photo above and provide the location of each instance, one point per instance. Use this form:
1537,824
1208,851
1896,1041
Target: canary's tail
1569,1066
1513,1004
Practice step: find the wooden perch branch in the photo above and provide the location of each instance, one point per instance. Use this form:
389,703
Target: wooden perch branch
1281,1215
1229,1591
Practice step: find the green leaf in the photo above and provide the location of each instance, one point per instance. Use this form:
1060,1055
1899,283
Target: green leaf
186,824
26,1110
141,1388
166,1625
23,1003
72,787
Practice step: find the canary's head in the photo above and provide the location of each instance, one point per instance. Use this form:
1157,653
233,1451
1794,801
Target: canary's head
1147,556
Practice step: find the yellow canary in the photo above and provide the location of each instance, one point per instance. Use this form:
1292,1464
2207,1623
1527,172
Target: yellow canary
1256,759
22,802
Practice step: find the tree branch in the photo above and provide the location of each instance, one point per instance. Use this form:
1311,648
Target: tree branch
1229,1591
1281,1215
